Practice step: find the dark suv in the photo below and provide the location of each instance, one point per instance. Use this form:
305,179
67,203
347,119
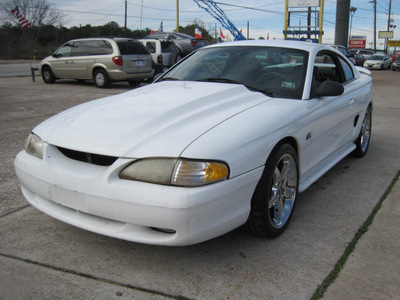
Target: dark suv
102,59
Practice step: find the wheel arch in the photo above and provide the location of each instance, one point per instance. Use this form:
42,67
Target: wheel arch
98,67
292,141
46,65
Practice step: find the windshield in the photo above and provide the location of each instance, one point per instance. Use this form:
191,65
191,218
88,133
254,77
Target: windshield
277,72
376,57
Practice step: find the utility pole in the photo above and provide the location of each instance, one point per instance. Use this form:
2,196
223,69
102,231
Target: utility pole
177,15
248,28
309,23
374,2
126,6
388,28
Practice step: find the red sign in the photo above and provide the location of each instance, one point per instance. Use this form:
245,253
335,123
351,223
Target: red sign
357,43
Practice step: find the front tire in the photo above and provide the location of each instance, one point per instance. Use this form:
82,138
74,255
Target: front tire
273,201
48,75
363,140
101,78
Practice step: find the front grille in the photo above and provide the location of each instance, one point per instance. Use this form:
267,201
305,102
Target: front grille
91,158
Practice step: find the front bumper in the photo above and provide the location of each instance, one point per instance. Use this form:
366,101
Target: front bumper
373,67
96,199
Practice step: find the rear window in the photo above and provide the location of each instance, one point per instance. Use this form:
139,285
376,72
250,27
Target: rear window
131,47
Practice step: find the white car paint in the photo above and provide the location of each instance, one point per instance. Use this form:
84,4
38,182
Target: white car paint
195,120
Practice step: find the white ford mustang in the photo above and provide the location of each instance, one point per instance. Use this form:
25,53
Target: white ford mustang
225,138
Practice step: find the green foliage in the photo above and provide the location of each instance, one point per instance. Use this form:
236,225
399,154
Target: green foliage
39,41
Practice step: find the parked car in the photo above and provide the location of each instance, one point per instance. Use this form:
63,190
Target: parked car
163,52
378,61
220,140
102,59
395,56
359,59
396,64
366,53
184,42
344,51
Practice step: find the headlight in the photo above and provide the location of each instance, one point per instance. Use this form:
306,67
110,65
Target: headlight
34,145
173,171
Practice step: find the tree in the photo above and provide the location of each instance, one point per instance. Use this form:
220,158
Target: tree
189,29
38,12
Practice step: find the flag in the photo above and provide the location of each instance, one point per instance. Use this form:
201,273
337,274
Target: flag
221,34
268,36
24,22
197,33
160,28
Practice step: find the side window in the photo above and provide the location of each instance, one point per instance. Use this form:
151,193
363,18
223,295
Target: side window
101,47
81,48
330,66
325,67
347,70
151,46
64,51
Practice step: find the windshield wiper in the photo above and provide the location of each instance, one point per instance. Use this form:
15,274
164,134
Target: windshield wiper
265,92
227,80
220,79
168,78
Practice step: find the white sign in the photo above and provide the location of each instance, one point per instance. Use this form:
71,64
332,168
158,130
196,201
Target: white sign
303,3
385,34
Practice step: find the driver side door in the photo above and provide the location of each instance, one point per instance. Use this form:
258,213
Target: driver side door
333,118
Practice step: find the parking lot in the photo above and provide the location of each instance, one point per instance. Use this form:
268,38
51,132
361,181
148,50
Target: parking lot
42,258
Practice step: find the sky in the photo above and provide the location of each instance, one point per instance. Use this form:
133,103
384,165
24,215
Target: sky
266,17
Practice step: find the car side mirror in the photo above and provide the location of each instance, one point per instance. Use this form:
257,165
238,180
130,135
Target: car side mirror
328,88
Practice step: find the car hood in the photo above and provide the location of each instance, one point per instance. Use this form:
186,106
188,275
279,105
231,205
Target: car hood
369,61
160,119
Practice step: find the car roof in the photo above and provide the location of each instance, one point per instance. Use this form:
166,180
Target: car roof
117,39
306,46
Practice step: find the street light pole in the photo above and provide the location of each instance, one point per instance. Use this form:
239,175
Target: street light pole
352,12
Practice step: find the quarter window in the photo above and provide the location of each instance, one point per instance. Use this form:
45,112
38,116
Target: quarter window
347,70
101,47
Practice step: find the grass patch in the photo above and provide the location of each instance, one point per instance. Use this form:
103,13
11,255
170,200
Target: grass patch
350,248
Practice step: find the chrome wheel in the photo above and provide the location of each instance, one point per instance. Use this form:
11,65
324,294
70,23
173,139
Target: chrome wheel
365,133
283,191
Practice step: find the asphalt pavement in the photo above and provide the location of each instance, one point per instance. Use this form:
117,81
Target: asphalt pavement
42,258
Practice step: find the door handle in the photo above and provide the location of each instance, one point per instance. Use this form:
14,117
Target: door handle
352,101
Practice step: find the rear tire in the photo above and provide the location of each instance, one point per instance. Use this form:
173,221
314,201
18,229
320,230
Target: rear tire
48,75
363,140
273,201
101,78
134,83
